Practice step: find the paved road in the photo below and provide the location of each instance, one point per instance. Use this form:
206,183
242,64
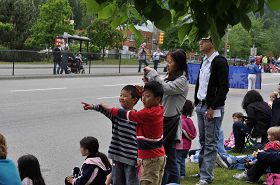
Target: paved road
45,118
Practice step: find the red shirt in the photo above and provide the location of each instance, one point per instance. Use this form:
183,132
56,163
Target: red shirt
149,130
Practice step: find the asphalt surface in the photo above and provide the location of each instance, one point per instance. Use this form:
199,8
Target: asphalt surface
44,117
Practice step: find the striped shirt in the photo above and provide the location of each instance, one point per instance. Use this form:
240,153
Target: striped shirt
149,130
123,146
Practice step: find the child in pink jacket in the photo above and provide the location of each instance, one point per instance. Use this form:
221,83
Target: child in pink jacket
188,134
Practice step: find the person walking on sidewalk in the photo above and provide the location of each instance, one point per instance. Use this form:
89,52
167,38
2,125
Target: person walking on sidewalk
156,58
142,56
210,95
253,69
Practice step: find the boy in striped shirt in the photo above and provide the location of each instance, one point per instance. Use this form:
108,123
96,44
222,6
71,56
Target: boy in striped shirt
123,146
149,132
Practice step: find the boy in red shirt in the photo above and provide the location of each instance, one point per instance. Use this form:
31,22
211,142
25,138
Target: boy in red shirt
149,132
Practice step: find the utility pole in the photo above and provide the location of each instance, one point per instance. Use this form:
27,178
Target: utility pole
226,42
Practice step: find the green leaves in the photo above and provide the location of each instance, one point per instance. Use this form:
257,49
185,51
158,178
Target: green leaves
136,32
246,22
107,11
183,32
274,4
207,16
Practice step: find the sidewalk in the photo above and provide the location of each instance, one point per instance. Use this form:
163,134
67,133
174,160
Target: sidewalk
48,66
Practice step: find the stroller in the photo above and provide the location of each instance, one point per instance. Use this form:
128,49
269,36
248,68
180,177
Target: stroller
75,65
254,141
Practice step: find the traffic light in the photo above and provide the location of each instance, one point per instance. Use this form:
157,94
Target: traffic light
161,38
228,46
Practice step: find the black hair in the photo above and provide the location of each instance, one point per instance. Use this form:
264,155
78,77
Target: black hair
133,91
91,144
251,97
28,166
180,58
188,108
155,87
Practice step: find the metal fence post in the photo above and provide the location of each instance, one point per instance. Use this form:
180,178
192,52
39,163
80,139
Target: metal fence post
89,66
120,61
13,73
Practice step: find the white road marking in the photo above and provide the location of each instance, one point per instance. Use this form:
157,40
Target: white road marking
30,90
121,84
271,84
108,97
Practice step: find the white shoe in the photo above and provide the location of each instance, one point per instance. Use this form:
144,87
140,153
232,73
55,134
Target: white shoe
202,182
241,176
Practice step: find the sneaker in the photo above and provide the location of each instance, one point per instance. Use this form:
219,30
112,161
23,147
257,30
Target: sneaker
197,175
241,176
222,161
202,182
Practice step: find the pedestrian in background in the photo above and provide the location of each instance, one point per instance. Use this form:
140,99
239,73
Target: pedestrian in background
8,171
252,69
210,95
64,59
142,56
156,58
175,86
56,60
29,170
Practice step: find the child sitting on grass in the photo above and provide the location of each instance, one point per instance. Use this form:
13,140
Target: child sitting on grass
95,168
149,132
29,170
237,119
272,146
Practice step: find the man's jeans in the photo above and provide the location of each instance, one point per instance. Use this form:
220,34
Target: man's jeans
208,138
124,174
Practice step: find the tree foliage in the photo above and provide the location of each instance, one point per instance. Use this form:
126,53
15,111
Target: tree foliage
103,35
195,18
16,17
54,19
263,36
172,42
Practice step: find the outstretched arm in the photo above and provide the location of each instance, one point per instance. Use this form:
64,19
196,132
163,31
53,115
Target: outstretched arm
97,108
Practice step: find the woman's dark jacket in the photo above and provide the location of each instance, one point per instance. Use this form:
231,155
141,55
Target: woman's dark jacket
259,118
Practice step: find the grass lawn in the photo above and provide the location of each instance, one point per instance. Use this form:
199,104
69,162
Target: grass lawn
222,176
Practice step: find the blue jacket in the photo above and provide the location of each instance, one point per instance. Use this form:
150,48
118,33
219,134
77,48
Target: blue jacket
8,173
253,69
